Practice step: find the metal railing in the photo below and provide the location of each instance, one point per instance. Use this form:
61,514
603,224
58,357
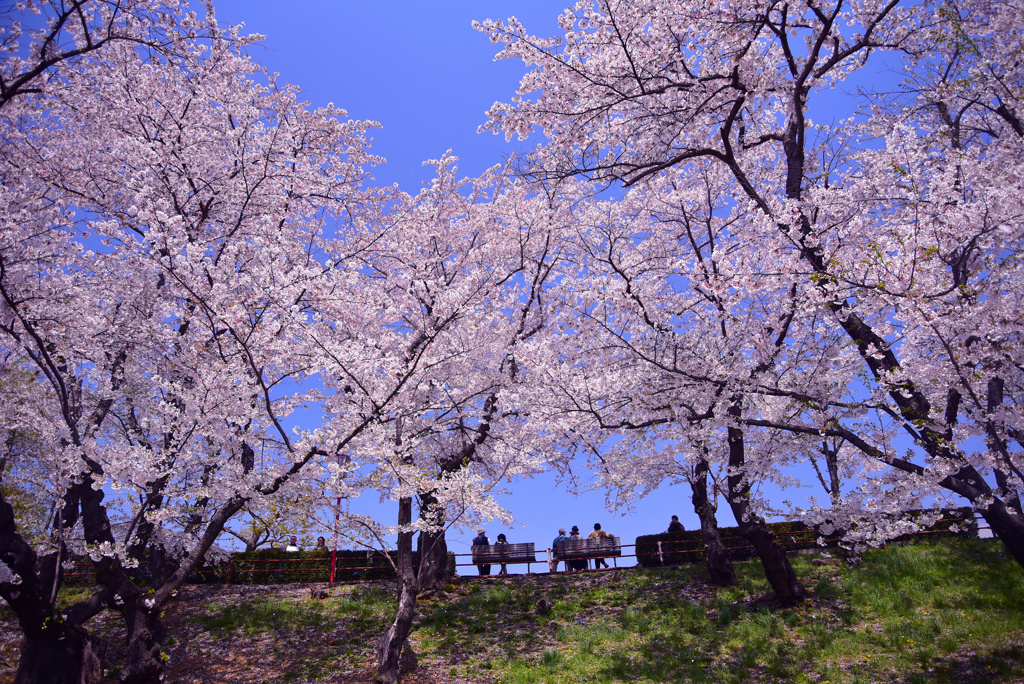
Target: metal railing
376,564
663,549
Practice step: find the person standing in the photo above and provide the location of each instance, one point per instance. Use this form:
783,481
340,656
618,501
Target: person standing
554,550
597,538
675,525
481,540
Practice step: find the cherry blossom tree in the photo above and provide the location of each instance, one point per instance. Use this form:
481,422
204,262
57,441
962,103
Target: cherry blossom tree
160,214
658,360
898,229
70,30
460,290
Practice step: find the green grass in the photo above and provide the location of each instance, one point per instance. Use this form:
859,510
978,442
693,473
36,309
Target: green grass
362,611
936,612
343,629
257,615
946,611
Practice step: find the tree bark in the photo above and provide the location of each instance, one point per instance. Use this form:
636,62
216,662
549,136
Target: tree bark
54,648
788,589
391,643
145,639
1007,526
432,573
161,566
1007,489
140,612
715,556
76,657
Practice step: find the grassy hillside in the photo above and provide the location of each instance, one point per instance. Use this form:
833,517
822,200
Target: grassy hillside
946,611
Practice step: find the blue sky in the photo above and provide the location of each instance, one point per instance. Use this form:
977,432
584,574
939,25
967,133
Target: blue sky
417,68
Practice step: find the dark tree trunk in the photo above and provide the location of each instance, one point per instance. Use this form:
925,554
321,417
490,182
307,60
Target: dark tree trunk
788,589
161,567
140,612
52,649
1007,489
433,571
715,555
75,657
391,643
1008,526
143,664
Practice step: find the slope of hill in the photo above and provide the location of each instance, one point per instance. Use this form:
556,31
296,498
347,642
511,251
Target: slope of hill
945,611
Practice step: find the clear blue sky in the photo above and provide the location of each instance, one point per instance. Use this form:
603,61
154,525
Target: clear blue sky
418,68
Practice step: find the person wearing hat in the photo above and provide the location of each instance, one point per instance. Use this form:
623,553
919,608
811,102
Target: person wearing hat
481,540
554,550
579,564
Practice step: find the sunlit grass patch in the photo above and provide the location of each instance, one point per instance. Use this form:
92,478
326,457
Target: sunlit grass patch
915,613
257,615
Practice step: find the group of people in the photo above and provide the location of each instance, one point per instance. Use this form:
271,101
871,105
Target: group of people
572,565
293,544
598,536
576,564
481,540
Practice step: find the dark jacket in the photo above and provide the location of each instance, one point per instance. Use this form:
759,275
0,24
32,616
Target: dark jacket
481,540
554,544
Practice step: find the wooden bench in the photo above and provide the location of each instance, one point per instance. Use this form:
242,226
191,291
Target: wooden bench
505,554
584,549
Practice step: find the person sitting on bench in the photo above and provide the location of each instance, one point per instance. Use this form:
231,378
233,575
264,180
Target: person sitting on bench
554,550
481,540
503,543
596,537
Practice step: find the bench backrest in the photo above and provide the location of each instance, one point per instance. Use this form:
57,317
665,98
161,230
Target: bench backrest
505,553
586,548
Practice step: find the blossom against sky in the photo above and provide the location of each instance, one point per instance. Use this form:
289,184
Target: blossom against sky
424,73
428,77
